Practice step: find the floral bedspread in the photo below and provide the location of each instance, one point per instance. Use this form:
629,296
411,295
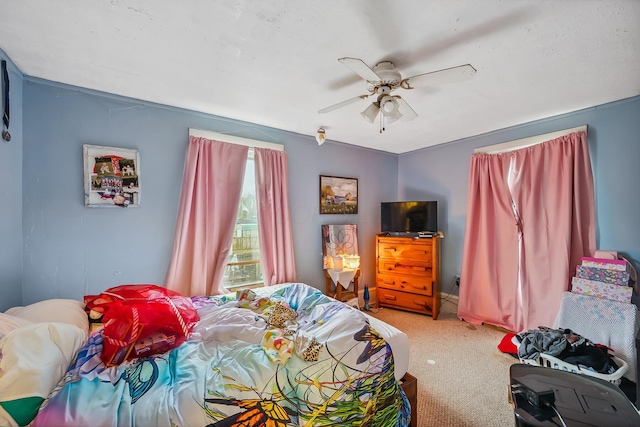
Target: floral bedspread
289,357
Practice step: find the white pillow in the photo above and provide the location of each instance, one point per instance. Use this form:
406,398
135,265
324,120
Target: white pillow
34,359
54,310
9,323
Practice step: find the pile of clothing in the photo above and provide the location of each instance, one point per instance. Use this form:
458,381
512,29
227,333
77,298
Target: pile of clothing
567,346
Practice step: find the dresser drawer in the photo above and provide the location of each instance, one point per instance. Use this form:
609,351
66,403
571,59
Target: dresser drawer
407,301
399,248
413,284
408,273
404,266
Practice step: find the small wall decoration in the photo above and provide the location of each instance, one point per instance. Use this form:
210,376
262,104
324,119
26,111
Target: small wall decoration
111,176
338,195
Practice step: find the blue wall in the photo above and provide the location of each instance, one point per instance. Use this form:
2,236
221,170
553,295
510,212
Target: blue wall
71,250
52,246
441,173
11,194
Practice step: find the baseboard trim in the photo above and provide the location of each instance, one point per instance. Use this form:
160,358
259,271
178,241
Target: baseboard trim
448,303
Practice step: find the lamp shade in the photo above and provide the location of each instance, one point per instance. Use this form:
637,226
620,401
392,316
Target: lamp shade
371,112
390,118
390,109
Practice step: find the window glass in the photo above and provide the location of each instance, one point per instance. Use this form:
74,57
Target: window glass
243,268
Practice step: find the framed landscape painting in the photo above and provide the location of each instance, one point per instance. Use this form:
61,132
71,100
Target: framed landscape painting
338,195
111,176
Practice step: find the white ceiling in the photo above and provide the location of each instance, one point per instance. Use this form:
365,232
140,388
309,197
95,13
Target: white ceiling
275,62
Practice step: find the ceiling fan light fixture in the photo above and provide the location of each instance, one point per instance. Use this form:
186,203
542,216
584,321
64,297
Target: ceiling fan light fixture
384,78
390,118
321,136
370,113
389,107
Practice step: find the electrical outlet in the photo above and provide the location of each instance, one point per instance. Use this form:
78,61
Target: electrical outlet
457,280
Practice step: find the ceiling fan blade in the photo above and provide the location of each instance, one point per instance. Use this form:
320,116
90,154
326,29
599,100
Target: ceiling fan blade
406,111
360,68
343,104
448,75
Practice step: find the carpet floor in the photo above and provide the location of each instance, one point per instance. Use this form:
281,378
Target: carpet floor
462,377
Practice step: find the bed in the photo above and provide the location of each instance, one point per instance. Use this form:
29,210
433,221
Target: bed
342,367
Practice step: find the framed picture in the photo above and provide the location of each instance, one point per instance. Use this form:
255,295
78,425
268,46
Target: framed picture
111,176
338,195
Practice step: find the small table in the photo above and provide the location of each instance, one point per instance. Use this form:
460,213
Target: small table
340,293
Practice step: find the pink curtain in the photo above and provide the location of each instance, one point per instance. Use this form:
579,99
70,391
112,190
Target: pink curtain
274,219
489,274
211,191
530,220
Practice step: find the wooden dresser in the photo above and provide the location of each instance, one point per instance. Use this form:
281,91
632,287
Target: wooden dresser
408,273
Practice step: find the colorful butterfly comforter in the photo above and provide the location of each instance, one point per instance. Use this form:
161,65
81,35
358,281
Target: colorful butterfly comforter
289,357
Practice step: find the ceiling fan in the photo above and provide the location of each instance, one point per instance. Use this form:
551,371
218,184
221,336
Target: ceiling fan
383,79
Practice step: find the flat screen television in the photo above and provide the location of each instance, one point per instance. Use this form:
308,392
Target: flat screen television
409,217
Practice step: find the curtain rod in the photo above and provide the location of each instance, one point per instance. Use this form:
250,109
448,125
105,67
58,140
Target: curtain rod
234,139
526,142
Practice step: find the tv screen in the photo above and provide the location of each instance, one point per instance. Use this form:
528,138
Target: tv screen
409,217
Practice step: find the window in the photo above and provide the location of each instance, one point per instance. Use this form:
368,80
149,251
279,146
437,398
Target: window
243,268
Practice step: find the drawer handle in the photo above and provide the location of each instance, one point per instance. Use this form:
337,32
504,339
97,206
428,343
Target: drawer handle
387,282
410,267
390,297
